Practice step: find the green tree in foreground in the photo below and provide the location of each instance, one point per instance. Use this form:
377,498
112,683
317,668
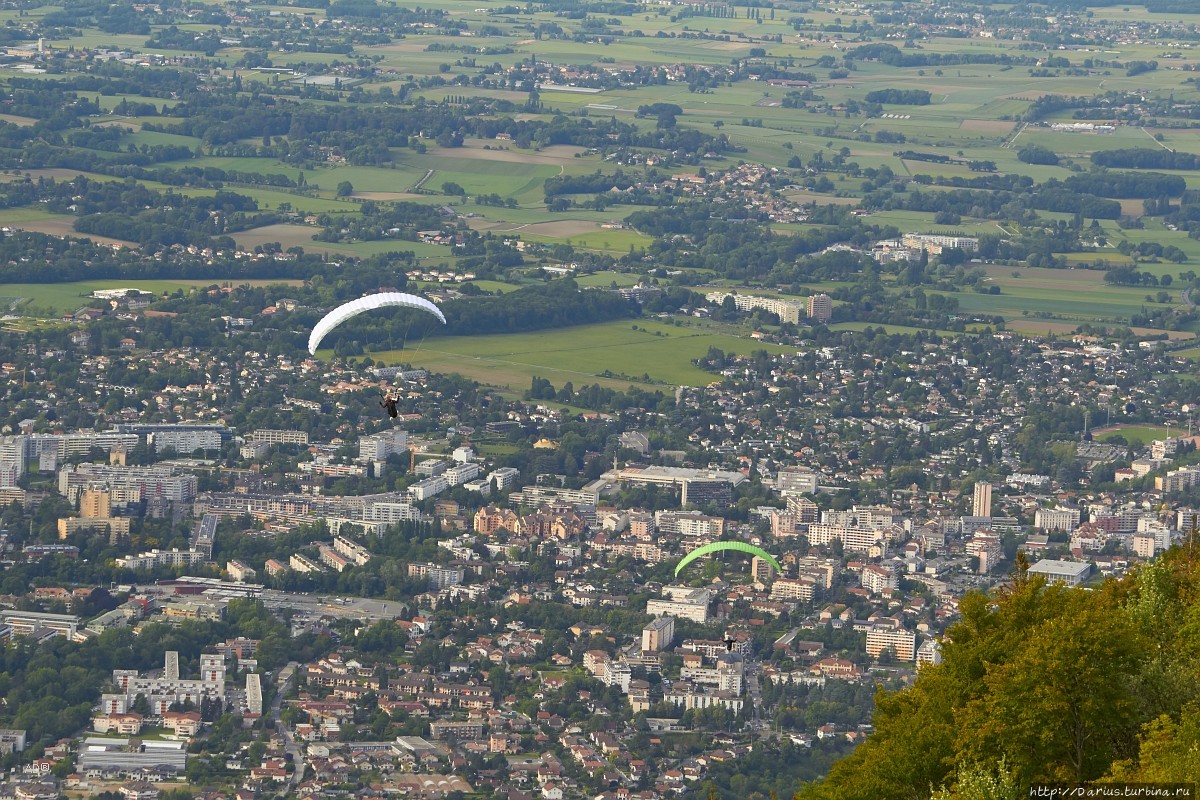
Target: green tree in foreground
1040,684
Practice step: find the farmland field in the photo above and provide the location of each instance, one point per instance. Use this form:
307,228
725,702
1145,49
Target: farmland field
581,355
827,137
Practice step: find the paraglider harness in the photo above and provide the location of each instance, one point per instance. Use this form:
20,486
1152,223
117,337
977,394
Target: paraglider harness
389,403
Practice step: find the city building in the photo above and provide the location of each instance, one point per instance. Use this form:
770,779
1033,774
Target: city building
880,638
439,577
240,572
161,558
787,310
1072,573
684,602
1056,519
982,503
987,547
658,634
929,653
379,446
934,244
820,308
797,480
762,570
268,436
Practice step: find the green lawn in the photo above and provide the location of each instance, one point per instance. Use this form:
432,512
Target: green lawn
59,298
892,329
658,351
1140,435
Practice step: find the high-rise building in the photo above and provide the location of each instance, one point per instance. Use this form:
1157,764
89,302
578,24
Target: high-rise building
12,460
704,493
982,507
903,642
658,634
820,308
171,665
985,546
762,570
95,502
377,447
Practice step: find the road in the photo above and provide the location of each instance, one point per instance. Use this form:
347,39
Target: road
752,677
290,747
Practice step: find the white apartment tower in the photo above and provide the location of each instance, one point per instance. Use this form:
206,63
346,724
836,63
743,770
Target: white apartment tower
982,506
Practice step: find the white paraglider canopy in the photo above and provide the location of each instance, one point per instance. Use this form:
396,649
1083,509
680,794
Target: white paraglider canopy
368,303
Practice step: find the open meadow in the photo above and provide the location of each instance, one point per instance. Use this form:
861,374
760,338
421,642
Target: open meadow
61,298
613,354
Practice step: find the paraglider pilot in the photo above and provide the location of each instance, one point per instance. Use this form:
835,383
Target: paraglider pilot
389,402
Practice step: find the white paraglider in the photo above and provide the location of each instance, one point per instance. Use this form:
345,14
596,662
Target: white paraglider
368,303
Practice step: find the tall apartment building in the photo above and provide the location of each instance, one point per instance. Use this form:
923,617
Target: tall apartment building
804,510
301,563
12,460
820,308
985,546
875,579
982,504
880,638
504,477
95,502
873,541
762,570
431,467
461,473
351,550
861,517
165,691
697,493
658,634
204,538
1177,480
439,577
378,446
430,487
186,439
803,588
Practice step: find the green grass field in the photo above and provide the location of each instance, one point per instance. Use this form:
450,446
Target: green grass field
1139,435
891,329
61,298
659,351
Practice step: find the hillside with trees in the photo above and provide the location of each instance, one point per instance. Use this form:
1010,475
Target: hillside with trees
1045,684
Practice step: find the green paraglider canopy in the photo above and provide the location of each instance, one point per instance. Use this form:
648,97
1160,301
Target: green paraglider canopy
713,547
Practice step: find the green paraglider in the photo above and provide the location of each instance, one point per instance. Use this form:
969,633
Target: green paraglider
714,547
